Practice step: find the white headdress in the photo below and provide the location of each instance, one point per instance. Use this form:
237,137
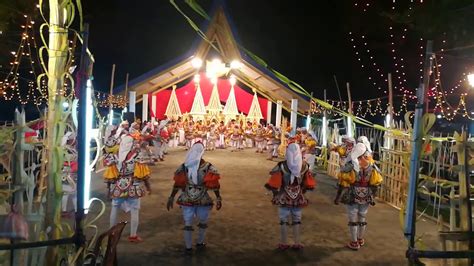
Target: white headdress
193,159
346,138
126,145
365,140
294,160
358,151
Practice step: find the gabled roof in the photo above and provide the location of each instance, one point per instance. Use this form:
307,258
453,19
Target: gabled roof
222,32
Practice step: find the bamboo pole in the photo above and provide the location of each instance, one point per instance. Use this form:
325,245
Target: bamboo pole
465,215
57,59
325,126
410,218
126,85
390,99
111,93
349,119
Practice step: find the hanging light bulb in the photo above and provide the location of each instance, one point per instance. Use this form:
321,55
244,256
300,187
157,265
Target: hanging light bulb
232,80
235,64
470,79
196,62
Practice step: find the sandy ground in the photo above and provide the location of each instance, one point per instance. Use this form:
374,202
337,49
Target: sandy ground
246,230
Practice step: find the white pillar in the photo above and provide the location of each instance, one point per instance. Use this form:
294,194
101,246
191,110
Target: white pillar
324,131
278,114
294,115
308,122
145,107
269,111
153,107
350,131
132,98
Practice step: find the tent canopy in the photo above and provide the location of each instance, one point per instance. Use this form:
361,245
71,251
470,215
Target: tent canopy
222,33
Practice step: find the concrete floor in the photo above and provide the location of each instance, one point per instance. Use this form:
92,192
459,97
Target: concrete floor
246,230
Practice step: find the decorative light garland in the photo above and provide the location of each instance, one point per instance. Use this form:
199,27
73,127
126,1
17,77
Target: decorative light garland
363,108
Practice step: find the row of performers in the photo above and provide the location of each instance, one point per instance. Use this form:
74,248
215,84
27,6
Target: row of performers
127,177
194,179
235,135
289,181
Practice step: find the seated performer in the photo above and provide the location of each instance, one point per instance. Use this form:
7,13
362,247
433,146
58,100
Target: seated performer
289,181
127,189
358,188
195,177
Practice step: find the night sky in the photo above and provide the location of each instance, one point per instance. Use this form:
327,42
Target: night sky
307,44
308,41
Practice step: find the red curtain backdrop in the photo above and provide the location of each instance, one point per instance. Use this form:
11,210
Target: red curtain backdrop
186,94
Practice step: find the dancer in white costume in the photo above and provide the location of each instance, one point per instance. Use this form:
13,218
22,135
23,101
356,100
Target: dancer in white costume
222,131
194,178
131,183
260,138
289,181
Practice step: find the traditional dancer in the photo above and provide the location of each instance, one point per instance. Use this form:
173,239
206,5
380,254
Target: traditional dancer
122,129
366,142
259,138
222,130
180,126
345,162
235,138
288,182
211,137
248,135
359,187
275,140
157,143
309,150
165,135
189,134
344,150
195,177
127,189
110,154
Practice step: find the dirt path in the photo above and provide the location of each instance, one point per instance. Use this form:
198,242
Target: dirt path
246,230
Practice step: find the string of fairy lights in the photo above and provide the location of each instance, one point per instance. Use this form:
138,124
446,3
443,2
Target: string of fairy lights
20,83
397,35
10,86
105,100
365,108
